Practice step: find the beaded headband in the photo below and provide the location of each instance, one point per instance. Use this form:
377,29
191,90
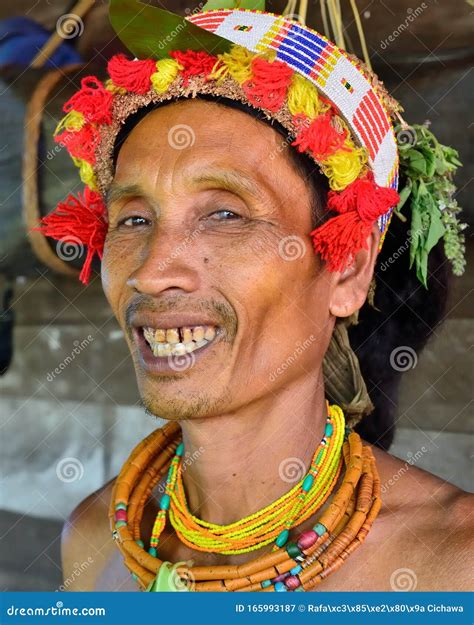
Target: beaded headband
333,108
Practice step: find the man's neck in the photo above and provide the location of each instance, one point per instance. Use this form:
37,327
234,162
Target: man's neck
236,464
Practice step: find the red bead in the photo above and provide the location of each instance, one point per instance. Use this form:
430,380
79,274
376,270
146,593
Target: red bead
307,539
292,582
121,515
281,577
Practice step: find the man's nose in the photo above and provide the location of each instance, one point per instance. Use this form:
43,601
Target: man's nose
168,262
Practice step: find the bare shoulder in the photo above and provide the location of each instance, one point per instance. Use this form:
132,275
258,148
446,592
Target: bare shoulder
86,541
432,523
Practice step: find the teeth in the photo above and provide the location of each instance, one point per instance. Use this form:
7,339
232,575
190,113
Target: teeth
160,336
187,334
178,341
172,335
198,333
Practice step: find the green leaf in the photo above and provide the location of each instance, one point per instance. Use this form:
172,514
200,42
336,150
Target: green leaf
258,5
416,162
435,231
150,33
422,267
404,195
415,232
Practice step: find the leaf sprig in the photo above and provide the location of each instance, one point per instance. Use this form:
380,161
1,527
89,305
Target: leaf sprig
427,168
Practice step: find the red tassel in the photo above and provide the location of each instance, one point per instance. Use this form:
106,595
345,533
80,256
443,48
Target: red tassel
320,137
340,238
194,63
81,219
92,100
134,76
80,144
369,199
269,83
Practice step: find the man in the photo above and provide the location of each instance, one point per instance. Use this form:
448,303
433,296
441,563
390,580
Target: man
232,277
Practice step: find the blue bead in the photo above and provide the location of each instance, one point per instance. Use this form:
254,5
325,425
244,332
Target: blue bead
165,502
266,583
319,529
307,483
295,570
280,587
329,429
121,506
299,589
135,577
140,543
152,551
120,524
180,449
282,538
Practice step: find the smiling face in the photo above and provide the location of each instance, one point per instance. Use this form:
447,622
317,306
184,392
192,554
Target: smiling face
208,227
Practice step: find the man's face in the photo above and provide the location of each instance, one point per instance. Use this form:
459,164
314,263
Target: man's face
209,224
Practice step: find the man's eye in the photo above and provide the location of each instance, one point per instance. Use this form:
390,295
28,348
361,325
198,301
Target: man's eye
134,220
228,214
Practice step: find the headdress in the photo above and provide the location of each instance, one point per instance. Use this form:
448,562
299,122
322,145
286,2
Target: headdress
333,107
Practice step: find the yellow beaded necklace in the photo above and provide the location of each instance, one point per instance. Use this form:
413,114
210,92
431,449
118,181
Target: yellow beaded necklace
272,523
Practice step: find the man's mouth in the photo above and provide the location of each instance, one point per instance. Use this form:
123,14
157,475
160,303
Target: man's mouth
166,342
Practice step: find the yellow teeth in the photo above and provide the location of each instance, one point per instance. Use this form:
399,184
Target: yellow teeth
178,341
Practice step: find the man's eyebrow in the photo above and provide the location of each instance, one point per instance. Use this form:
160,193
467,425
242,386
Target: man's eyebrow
234,181
117,192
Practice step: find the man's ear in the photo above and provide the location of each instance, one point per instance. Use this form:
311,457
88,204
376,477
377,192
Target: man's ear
351,286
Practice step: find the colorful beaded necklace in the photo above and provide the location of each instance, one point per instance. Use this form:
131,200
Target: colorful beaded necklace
299,565
264,526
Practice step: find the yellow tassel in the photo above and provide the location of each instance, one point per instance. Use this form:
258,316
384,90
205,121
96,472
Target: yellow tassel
109,85
86,173
303,97
237,63
343,167
73,121
167,70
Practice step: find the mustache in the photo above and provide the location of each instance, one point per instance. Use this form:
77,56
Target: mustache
223,312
